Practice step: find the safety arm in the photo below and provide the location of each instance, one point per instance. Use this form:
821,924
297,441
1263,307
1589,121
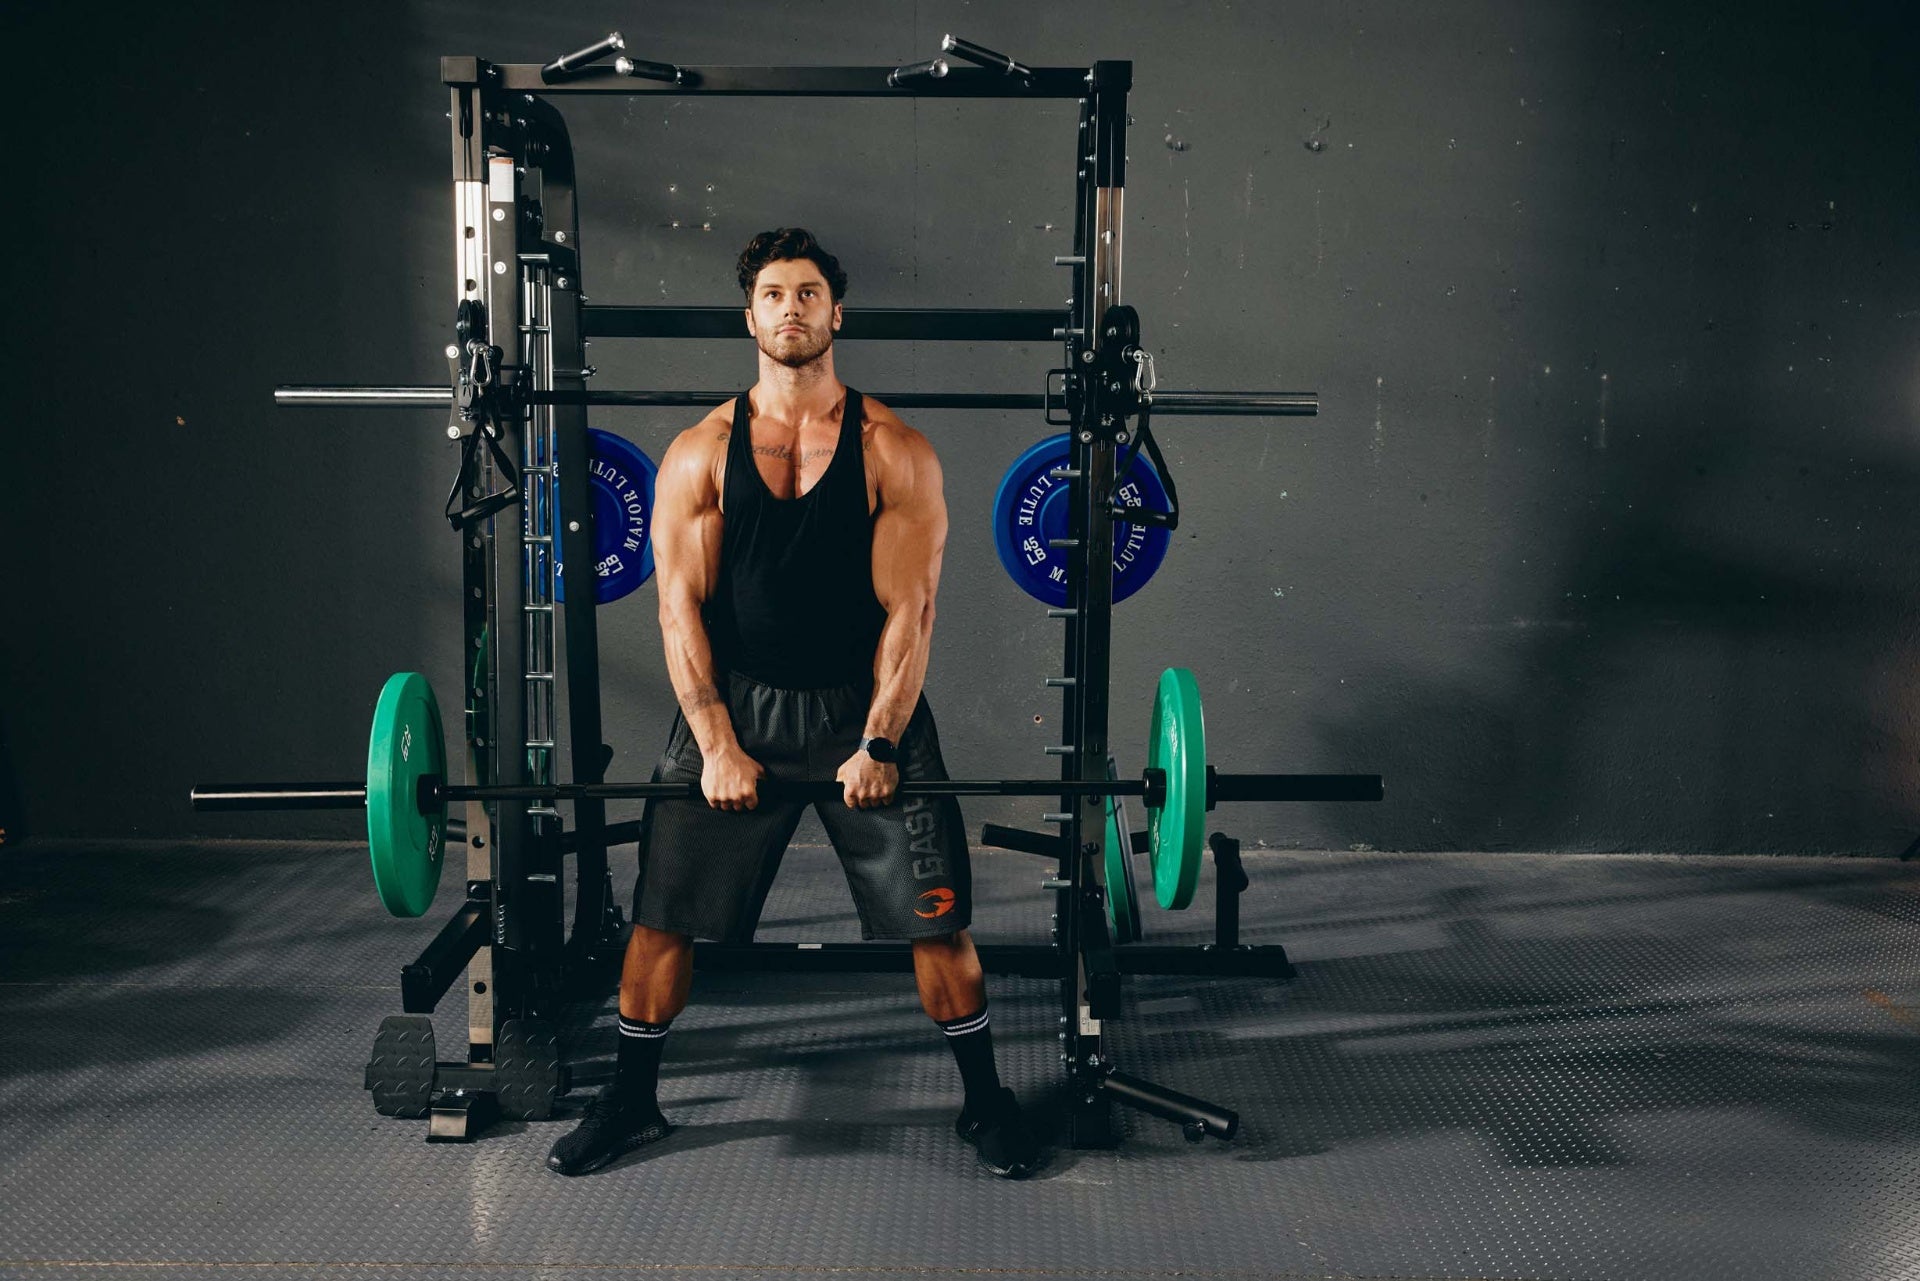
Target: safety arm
909,541
686,558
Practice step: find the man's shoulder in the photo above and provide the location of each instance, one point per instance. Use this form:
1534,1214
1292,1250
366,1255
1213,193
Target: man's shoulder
704,435
885,430
696,453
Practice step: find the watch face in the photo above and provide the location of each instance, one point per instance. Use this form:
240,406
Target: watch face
880,749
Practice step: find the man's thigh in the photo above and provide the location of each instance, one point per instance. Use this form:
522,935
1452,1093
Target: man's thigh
907,862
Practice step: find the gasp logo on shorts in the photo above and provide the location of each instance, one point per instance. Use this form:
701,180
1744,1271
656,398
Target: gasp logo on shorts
941,902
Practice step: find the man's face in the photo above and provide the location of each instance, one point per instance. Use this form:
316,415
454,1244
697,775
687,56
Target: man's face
792,314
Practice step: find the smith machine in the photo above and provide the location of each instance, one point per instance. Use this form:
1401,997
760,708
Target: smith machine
519,390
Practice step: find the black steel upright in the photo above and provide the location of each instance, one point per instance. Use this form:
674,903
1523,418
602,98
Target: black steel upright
517,283
1097,425
550,212
487,290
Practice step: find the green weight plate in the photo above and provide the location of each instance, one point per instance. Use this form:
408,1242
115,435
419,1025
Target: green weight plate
1176,831
407,846
1123,905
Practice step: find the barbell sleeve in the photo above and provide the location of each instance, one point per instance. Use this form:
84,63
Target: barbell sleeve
235,797
1292,787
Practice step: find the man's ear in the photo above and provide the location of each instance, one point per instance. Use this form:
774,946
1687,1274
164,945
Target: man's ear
751,331
837,317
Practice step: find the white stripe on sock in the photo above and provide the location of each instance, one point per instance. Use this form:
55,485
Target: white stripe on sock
646,1031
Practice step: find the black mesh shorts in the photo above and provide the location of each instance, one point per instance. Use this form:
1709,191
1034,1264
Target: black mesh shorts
706,872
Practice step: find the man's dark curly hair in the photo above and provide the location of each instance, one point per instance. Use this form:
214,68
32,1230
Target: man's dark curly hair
783,244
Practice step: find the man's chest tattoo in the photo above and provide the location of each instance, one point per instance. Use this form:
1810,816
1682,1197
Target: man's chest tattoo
786,455
785,452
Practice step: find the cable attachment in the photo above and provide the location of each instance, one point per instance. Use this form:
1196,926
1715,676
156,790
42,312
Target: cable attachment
1145,376
1143,436
483,399
482,374
1129,377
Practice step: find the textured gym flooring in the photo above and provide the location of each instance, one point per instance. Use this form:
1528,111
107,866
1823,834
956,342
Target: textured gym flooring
1490,1066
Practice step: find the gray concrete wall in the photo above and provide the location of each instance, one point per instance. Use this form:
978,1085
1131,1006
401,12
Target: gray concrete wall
1603,539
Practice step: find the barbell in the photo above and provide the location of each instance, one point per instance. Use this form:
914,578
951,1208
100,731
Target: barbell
406,794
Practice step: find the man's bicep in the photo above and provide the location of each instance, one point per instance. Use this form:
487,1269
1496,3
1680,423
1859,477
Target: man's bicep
686,517
910,534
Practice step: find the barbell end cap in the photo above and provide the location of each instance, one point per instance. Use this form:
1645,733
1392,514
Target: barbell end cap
1213,778
430,794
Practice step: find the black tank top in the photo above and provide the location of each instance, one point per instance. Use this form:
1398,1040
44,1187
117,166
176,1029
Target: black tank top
794,606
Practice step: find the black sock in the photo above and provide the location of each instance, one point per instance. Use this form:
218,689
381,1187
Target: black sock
971,1040
636,1074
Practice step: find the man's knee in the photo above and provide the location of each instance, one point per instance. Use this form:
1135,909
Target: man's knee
657,974
947,959
649,943
956,947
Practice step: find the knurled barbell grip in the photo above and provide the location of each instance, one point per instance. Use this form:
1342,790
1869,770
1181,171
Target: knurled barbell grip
434,791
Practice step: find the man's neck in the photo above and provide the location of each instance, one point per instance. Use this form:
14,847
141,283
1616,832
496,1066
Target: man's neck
796,396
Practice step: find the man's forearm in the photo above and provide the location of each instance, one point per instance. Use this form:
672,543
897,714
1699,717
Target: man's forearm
695,683
900,670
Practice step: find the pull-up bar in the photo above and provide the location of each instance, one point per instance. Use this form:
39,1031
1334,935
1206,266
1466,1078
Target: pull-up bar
915,324
775,82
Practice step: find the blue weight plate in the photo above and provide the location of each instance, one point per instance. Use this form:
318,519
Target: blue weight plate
1030,510
623,478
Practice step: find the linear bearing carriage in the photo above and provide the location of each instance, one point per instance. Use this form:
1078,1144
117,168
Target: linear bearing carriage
522,508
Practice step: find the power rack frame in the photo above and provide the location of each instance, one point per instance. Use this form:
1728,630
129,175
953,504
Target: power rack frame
519,386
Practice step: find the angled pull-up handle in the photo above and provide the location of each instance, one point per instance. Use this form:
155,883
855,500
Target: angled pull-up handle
931,69
568,63
984,57
641,69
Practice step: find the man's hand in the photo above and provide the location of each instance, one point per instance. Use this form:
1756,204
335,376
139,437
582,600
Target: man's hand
730,780
868,783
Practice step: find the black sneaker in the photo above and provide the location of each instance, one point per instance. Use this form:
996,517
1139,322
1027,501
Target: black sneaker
608,1130
1000,1135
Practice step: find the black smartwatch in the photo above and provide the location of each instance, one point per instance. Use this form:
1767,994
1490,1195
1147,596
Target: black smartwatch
881,750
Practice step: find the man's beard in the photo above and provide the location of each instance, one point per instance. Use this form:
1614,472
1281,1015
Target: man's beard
796,351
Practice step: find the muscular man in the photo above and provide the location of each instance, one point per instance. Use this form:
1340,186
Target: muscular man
798,532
